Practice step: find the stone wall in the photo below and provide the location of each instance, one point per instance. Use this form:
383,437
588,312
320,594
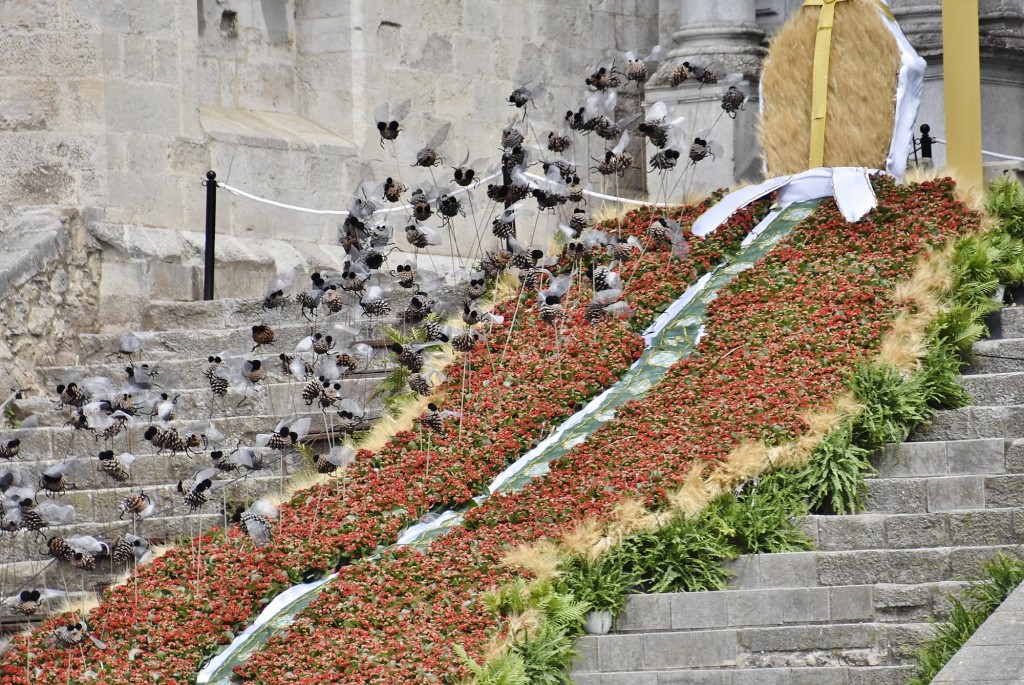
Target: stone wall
49,287
118,108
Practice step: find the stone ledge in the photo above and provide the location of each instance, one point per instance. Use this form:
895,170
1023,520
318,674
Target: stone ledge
992,655
272,130
32,243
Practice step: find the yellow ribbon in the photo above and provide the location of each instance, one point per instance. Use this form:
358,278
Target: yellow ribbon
819,82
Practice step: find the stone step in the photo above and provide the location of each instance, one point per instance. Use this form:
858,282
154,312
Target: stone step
163,315
944,458
181,373
41,571
974,422
863,567
27,546
915,531
827,645
884,603
1010,323
995,389
148,470
198,403
200,343
944,493
98,514
1003,355
827,675
55,442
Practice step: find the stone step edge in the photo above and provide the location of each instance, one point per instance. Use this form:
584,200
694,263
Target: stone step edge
622,676
779,607
726,647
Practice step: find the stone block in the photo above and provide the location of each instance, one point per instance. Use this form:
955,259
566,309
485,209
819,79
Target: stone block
645,612
1015,456
586,655
902,599
745,572
917,566
29,14
320,35
997,664
790,569
697,610
997,422
950,424
810,605
686,650
850,603
916,530
904,640
897,495
966,562
174,282
65,58
850,532
697,677
1004,491
851,568
809,526
1012,320
754,607
988,527
620,653
804,638
141,107
629,679
913,459
956,492
976,456
141,198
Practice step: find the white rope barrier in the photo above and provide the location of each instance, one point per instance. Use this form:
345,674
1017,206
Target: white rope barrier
997,155
338,212
344,212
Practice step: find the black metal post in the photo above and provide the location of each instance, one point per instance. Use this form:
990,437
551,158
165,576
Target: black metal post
211,233
926,141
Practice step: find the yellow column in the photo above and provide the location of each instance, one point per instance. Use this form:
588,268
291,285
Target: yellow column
962,79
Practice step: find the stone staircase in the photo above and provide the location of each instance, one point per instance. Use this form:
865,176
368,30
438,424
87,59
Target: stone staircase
855,610
186,334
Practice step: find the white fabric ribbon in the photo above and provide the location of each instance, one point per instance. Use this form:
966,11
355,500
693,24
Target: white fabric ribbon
850,186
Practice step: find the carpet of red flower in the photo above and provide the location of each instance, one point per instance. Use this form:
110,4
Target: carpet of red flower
782,339
176,611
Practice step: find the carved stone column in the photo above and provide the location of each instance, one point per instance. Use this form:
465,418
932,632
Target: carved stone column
722,31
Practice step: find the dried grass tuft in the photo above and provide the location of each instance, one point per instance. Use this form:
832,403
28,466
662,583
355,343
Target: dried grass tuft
693,495
864,65
79,605
583,539
540,559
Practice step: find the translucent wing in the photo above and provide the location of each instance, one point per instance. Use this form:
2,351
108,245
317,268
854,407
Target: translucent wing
56,514
263,507
659,110
623,142
439,137
88,543
607,296
282,280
